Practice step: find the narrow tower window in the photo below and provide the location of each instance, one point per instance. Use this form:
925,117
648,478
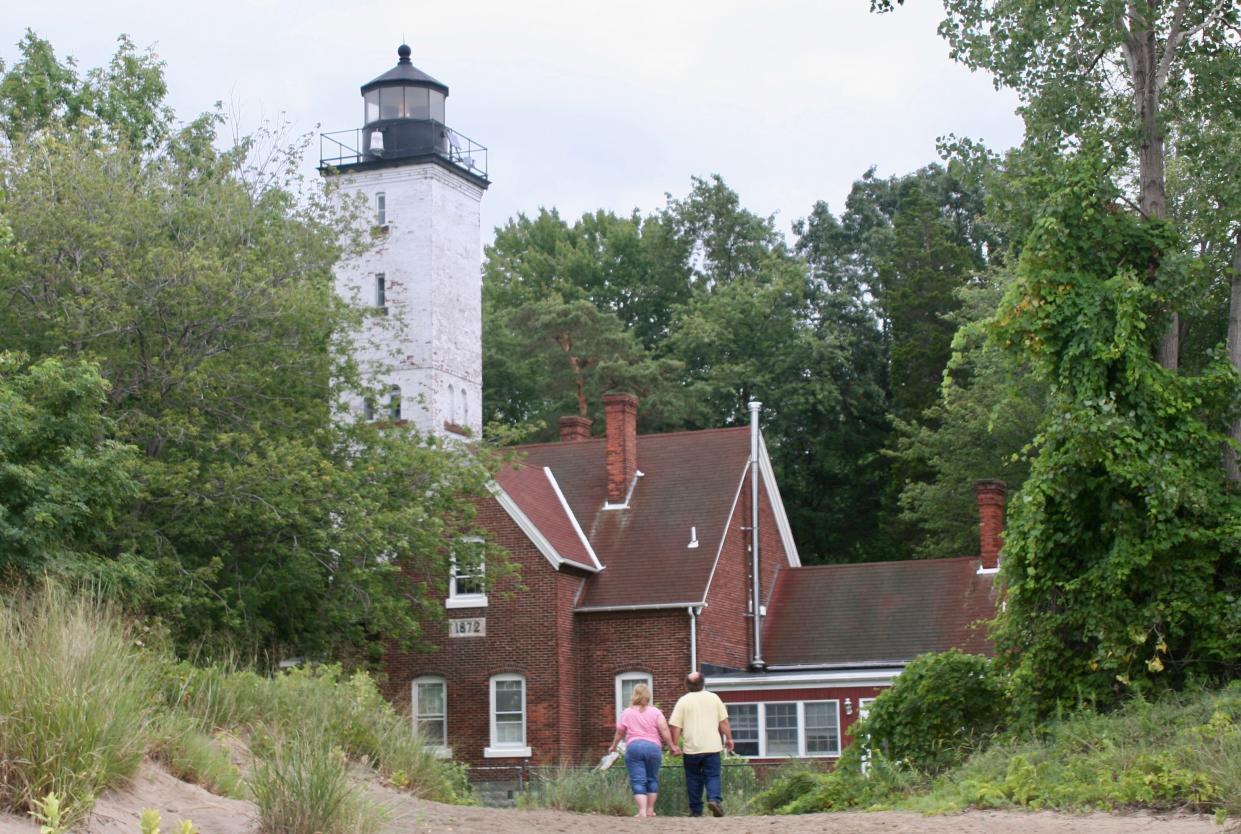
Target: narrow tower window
381,293
381,209
394,402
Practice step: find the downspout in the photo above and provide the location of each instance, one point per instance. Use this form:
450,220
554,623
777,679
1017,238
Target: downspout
756,601
693,638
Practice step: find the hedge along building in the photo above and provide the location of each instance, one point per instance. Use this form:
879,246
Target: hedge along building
640,557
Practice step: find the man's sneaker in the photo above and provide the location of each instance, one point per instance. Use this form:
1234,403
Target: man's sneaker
717,810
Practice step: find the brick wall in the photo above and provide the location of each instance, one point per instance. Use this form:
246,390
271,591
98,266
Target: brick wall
656,642
528,633
725,633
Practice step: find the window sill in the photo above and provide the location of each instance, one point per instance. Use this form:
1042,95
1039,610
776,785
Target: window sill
442,752
479,601
506,753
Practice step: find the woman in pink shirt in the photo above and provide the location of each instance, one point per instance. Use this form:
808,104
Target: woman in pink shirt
645,732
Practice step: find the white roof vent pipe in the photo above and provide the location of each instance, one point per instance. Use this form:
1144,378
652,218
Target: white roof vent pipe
693,538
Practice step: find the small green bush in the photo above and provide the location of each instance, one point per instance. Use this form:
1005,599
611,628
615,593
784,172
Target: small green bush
942,708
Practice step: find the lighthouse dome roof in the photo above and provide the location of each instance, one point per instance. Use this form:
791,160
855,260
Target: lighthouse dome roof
404,73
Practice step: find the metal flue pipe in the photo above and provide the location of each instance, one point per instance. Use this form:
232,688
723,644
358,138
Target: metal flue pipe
756,601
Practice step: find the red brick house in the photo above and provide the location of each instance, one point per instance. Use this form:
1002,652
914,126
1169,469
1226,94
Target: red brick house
635,565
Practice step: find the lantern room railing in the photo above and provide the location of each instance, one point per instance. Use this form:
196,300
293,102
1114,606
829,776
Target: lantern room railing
345,147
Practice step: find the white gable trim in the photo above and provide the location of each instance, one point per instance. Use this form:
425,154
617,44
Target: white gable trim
577,528
532,532
777,505
719,551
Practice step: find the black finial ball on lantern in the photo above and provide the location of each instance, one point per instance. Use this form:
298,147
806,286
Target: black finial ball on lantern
403,52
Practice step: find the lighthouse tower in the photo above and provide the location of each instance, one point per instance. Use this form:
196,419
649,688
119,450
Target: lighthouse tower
421,282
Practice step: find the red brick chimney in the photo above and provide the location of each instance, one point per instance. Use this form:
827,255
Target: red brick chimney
621,413
574,428
990,495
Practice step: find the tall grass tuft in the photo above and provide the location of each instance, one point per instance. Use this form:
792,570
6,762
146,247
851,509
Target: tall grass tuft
76,700
301,785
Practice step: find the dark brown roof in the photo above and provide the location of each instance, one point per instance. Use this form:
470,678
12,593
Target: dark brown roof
690,479
542,506
837,615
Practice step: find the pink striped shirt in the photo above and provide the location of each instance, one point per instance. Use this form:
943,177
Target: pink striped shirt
641,725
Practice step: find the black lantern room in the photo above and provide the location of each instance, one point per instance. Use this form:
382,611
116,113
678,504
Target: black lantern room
404,112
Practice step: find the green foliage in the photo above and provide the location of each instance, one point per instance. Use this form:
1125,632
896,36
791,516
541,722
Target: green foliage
1172,753
345,712
584,791
587,791
301,785
47,813
63,480
76,702
197,275
989,409
123,101
847,786
1121,549
941,709
194,755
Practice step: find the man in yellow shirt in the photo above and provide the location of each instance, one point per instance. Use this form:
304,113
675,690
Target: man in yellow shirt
700,728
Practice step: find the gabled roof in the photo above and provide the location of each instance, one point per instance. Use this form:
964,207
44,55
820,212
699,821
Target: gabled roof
879,612
689,485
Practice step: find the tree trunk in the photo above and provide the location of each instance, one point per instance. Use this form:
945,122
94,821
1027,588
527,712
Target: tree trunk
1231,466
1143,60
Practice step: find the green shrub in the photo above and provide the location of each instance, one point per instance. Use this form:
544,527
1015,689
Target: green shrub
581,790
76,701
942,708
1181,751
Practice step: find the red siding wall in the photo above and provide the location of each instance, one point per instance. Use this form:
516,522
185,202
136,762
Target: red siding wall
725,633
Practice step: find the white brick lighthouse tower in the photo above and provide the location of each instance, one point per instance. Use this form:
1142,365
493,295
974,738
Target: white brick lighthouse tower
423,184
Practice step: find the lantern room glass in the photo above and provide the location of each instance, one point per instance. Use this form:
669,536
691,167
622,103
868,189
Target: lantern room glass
404,102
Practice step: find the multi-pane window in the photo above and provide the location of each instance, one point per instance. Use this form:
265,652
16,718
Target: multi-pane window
394,402
381,291
781,728
431,711
625,682
381,209
822,728
743,718
508,712
786,728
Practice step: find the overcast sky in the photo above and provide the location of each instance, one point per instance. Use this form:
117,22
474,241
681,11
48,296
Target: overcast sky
583,104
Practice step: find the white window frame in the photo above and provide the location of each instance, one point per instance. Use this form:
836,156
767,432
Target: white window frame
801,729
507,750
443,751
381,209
637,677
471,599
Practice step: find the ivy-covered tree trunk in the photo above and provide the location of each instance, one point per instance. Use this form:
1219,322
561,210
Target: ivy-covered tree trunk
1231,465
1121,555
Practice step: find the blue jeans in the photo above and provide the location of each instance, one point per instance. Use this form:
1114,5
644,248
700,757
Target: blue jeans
642,759
702,770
